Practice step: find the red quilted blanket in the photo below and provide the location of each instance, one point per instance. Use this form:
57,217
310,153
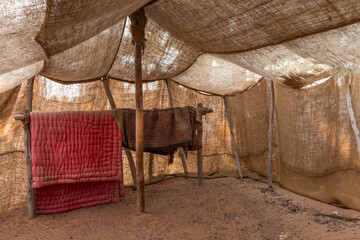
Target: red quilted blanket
67,197
76,159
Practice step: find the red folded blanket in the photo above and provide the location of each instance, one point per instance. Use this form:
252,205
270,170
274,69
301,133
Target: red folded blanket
67,197
77,154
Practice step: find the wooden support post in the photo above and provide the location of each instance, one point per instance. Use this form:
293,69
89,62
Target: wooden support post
270,147
30,190
25,118
30,96
127,151
137,29
233,139
181,150
199,153
139,130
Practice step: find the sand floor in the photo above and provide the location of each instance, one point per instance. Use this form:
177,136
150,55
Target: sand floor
224,208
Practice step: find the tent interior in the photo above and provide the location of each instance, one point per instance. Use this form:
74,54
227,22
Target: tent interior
209,51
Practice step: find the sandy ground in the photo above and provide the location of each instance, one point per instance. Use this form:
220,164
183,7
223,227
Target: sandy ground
223,208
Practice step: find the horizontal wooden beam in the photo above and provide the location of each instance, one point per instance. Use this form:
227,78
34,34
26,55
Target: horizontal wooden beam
204,110
20,117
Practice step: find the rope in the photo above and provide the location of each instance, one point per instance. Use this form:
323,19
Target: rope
137,27
26,113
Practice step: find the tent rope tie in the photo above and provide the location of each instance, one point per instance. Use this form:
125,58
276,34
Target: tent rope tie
137,27
26,114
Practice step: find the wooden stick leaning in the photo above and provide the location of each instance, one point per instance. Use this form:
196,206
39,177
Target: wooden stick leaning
181,151
127,151
199,153
233,139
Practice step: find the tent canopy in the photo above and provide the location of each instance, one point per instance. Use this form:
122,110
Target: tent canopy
236,40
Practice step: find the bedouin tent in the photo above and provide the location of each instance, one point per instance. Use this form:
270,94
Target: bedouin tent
208,49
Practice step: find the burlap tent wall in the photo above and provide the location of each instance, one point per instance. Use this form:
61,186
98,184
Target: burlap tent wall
315,151
314,145
12,161
249,114
52,96
318,150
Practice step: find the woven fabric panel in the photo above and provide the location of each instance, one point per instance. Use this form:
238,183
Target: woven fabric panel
316,134
337,48
283,41
280,64
314,145
164,57
12,159
213,74
305,60
51,96
14,78
249,114
85,60
69,23
227,26
20,21
317,146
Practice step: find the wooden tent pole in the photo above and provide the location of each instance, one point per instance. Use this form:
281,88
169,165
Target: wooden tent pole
139,130
137,29
270,147
233,138
27,138
127,151
30,190
25,118
199,153
181,150
30,96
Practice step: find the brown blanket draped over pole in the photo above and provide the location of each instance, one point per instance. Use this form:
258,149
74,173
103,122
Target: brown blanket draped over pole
164,129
